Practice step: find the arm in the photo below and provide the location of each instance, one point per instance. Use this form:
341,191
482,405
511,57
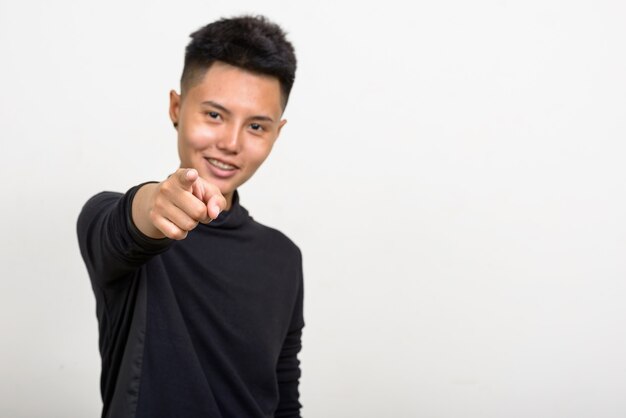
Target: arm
119,233
288,368
110,244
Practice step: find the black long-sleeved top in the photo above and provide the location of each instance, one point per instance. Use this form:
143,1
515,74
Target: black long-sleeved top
209,326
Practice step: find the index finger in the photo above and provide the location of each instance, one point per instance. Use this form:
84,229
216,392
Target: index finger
186,177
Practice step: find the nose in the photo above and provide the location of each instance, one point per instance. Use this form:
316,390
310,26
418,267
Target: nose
230,140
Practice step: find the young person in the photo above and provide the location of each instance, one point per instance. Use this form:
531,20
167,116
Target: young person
200,306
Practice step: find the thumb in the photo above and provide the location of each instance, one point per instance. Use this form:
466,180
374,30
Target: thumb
215,205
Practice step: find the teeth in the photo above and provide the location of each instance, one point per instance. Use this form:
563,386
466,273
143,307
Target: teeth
221,165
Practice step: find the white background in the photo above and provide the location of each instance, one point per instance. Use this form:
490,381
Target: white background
453,172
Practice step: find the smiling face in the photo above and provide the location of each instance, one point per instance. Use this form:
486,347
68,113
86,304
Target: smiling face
227,124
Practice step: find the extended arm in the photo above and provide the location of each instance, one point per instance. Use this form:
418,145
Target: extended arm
118,233
109,242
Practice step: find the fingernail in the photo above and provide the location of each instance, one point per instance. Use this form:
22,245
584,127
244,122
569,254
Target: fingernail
216,209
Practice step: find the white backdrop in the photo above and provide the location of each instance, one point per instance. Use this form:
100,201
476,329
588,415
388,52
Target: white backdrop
453,172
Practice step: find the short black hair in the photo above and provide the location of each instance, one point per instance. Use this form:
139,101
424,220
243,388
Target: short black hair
249,42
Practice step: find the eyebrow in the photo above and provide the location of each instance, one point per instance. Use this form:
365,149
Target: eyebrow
228,112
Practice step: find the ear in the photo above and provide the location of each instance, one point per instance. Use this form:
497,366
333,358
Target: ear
174,107
280,126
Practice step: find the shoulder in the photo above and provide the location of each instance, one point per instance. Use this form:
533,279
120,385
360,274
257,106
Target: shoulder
97,205
99,201
276,240
102,199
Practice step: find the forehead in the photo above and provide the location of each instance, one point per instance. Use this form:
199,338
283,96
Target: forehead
237,88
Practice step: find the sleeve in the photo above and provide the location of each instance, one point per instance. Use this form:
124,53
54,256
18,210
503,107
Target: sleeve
288,369
110,243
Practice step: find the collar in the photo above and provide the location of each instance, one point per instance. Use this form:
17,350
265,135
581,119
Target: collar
235,217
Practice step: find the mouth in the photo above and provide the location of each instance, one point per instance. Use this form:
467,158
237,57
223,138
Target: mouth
221,164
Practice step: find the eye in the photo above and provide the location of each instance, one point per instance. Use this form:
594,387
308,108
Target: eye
213,115
256,127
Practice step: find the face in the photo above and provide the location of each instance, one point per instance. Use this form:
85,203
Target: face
227,124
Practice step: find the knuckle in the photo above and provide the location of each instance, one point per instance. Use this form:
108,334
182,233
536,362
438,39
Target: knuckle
199,213
153,215
166,188
158,209
189,225
177,234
